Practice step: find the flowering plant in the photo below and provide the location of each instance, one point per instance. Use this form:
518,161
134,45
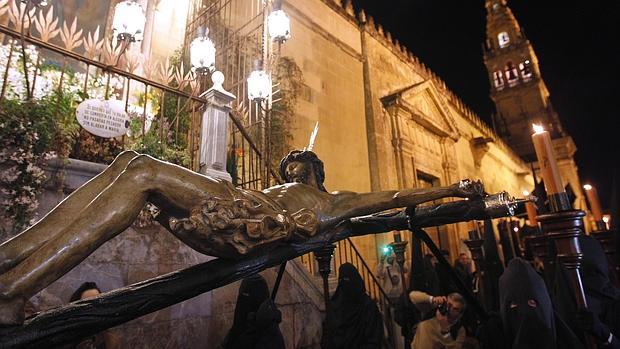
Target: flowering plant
39,98
26,134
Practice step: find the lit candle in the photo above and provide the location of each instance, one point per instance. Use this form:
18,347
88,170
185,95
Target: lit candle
595,204
606,219
546,160
558,199
531,210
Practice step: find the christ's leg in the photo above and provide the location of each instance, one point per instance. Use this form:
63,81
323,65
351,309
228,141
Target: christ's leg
172,188
21,246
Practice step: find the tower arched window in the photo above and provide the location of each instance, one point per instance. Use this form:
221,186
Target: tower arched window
498,80
526,70
503,39
511,74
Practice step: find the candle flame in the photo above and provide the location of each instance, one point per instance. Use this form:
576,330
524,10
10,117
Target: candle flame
526,193
606,218
538,128
587,187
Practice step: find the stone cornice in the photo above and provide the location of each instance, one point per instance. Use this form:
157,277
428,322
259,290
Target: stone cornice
368,25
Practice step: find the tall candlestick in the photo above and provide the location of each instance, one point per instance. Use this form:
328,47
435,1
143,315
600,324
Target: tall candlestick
595,204
531,211
558,199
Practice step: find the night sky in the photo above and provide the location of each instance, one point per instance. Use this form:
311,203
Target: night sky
577,46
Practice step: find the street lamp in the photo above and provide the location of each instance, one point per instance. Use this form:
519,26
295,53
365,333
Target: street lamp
279,26
129,20
259,84
202,53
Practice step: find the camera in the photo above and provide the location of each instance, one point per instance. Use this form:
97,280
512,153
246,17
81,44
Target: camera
387,250
443,308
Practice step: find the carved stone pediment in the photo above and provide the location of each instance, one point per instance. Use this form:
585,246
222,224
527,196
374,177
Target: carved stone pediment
426,106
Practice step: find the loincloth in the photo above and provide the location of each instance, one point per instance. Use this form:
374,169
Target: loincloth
234,226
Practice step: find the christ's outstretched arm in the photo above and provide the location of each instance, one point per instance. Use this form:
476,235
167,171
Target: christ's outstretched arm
208,214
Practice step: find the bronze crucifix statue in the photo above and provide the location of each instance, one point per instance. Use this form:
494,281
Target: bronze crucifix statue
208,214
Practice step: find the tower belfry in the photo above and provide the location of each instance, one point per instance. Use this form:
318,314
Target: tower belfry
517,88
519,92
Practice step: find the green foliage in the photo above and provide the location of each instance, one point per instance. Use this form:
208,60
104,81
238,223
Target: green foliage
27,133
290,78
151,145
32,130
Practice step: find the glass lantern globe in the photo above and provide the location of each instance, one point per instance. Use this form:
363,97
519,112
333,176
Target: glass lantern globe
279,26
259,85
37,3
129,20
202,54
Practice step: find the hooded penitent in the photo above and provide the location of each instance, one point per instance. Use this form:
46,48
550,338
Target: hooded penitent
597,284
256,320
492,267
352,320
602,296
525,308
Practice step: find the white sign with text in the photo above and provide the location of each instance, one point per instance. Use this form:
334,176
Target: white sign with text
106,119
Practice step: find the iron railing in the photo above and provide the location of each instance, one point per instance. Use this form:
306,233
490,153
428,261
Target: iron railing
157,95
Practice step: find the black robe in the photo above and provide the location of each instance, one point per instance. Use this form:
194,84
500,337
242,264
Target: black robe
353,319
256,321
526,317
602,296
492,267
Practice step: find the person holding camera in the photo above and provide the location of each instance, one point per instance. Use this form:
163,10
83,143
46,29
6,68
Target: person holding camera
442,329
390,275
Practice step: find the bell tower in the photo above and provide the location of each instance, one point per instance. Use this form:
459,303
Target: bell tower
517,88
520,95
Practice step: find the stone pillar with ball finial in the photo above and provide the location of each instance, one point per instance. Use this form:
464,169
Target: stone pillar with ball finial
213,130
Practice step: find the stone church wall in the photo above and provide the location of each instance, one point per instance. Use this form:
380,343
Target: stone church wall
356,130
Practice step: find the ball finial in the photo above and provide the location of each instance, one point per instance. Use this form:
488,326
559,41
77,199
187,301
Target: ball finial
218,79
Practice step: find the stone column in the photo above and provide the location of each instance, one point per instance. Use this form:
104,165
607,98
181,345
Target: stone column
213,132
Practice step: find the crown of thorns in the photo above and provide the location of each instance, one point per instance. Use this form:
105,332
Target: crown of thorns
304,156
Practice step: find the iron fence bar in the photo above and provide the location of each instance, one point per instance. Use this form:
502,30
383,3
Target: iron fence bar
6,71
146,99
246,135
104,67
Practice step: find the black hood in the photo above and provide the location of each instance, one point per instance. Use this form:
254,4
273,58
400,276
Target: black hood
353,319
525,307
350,285
492,267
252,293
595,271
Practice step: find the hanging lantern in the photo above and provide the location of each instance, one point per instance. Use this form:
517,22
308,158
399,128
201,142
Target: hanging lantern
129,20
259,84
202,53
37,3
279,26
